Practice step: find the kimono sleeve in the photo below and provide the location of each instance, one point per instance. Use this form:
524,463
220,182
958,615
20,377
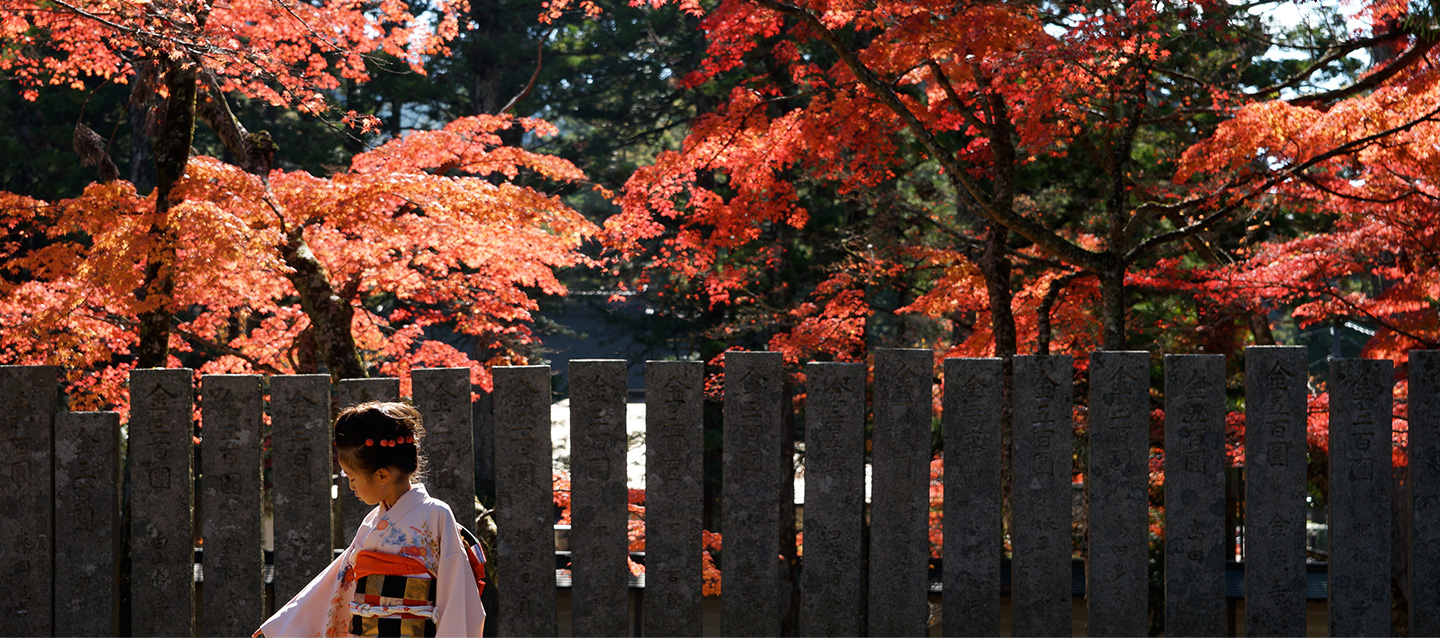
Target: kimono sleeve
310,612
458,611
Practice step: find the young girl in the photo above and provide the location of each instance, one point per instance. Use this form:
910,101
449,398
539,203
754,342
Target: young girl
408,572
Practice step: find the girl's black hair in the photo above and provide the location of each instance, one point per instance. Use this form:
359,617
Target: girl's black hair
379,434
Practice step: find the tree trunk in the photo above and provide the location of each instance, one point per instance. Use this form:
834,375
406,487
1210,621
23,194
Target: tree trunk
1112,305
1260,328
172,154
995,266
330,315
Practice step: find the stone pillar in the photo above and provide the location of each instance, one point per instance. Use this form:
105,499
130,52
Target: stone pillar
443,397
28,400
974,533
599,515
161,454
1275,426
750,513
1117,590
347,393
234,560
1424,452
1195,536
899,493
830,584
525,552
1361,400
87,522
301,477
674,497
1044,449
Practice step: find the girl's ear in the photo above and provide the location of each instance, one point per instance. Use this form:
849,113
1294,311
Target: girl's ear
383,475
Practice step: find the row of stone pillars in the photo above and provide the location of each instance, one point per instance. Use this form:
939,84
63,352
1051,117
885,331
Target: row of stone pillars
61,521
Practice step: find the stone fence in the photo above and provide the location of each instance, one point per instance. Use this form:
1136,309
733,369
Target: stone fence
64,533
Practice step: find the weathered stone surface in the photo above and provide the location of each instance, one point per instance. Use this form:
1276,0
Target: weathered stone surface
974,536
161,459
443,397
525,553
750,513
598,542
1275,490
674,497
830,585
1361,399
28,396
347,393
301,476
1195,495
899,493
234,595
1044,449
1117,592
1424,468
87,524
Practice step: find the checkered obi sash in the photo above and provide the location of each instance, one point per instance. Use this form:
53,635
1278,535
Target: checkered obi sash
394,596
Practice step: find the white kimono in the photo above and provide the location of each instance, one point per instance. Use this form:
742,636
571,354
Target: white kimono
417,527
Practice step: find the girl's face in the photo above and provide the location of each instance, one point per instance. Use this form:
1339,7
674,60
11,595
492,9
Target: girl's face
370,488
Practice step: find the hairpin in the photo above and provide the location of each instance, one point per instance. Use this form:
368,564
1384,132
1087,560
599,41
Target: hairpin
369,442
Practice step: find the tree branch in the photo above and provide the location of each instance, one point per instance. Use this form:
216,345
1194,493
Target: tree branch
221,348
1415,54
539,63
1029,229
1332,54
1277,179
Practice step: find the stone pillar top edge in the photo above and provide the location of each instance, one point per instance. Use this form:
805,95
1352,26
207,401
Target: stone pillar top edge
1144,352
31,367
974,358
1036,357
414,370
91,412
527,367
299,376
670,362
1195,356
1275,347
232,376
157,370
575,361
834,364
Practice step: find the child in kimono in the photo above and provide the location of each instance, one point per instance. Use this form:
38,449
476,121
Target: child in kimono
409,571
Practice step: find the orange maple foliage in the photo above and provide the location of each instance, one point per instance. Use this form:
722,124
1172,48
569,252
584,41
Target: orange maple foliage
424,232
845,102
282,52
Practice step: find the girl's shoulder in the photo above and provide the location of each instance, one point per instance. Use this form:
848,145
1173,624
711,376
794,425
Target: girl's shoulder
432,506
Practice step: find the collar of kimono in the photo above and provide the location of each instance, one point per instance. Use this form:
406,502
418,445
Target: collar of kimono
409,499
369,562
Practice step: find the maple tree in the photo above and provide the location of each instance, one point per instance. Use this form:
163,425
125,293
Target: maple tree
181,59
245,267
941,135
422,231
